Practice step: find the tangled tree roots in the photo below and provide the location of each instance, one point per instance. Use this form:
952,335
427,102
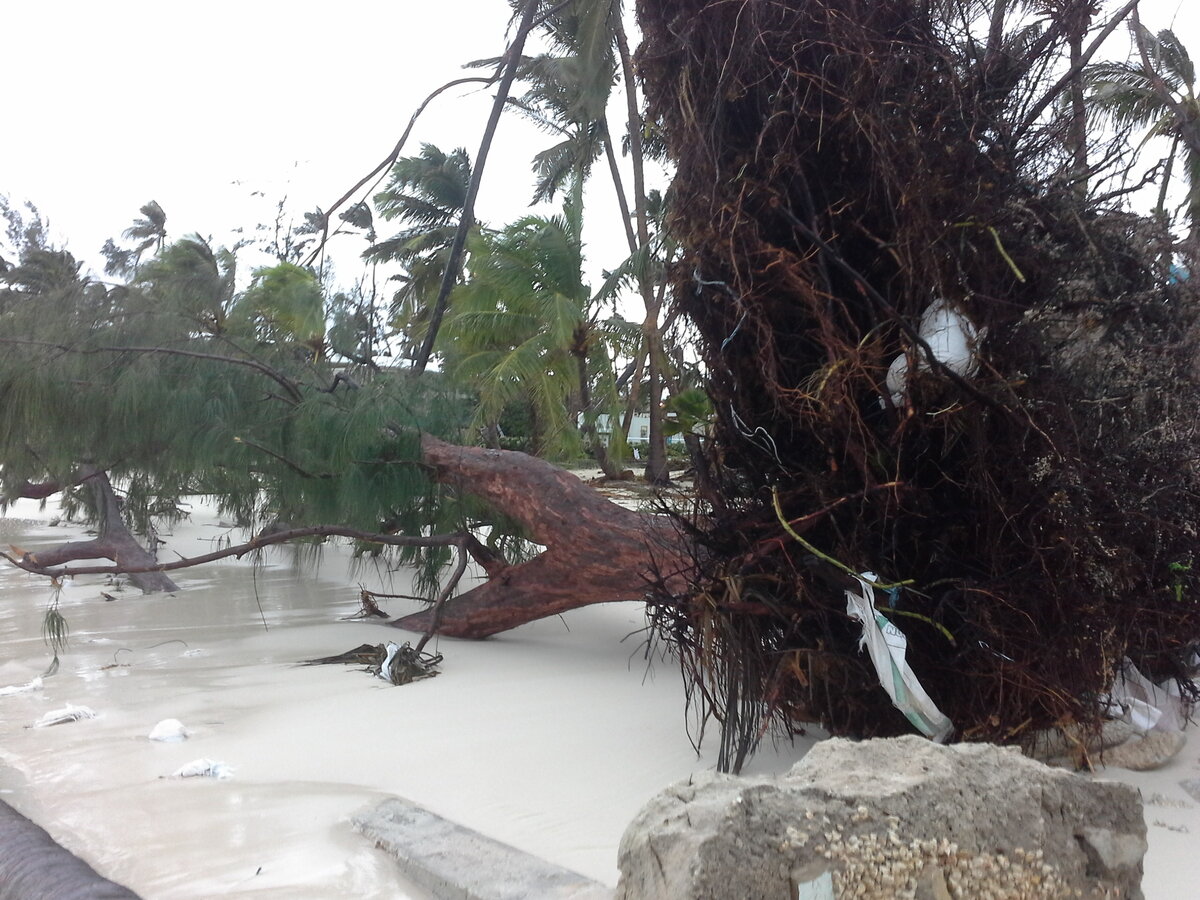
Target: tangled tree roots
840,165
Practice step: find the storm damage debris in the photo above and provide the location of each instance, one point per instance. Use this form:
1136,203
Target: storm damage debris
869,188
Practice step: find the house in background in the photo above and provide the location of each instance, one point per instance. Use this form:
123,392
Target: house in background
639,429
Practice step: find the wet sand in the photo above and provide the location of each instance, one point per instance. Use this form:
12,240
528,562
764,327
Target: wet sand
550,737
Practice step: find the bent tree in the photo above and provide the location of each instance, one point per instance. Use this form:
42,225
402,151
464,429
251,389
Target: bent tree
175,385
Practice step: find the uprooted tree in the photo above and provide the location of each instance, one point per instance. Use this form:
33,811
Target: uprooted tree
850,175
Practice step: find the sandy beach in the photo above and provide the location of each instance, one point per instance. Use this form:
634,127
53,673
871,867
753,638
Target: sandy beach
550,737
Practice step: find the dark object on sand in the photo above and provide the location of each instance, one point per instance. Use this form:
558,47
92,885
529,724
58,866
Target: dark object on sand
394,663
33,866
847,175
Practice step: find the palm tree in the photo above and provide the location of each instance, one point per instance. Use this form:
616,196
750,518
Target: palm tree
592,35
426,194
1157,92
524,329
149,231
194,281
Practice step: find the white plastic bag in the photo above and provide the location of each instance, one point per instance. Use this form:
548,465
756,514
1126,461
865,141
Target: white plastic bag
68,713
950,335
169,731
385,670
887,645
1145,705
203,768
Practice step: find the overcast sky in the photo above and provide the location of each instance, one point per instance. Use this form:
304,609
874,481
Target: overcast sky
108,105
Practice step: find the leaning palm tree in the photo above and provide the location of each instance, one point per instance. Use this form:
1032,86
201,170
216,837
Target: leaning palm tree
1157,91
525,330
425,194
149,231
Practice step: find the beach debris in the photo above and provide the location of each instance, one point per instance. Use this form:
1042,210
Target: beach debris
1145,705
404,664
886,645
368,607
394,663
1071,746
203,768
34,685
69,713
1149,751
169,731
950,335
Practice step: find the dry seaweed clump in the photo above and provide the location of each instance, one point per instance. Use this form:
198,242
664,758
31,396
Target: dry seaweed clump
865,189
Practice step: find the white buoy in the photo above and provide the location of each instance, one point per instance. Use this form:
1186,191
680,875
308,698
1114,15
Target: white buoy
169,730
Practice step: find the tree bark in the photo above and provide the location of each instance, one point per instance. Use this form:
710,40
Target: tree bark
657,471
596,551
114,542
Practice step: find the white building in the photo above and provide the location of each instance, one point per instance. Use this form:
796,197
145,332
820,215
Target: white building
639,429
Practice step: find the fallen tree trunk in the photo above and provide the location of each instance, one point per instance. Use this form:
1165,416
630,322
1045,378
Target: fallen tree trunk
114,542
596,551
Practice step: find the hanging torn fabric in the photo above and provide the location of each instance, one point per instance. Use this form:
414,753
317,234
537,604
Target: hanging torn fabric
1145,705
887,645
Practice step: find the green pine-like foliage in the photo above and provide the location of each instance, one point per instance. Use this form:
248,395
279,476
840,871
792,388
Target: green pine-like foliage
178,385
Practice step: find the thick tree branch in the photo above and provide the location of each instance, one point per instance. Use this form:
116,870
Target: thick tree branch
596,551
40,491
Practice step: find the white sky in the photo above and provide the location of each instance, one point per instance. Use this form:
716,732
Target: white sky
105,106
108,105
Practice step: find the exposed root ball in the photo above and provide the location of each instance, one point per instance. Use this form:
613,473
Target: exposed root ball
842,167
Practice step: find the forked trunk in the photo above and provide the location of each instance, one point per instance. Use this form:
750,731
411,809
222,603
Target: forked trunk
596,551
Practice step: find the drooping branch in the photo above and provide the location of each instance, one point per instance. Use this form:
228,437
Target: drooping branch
51,563
40,491
391,158
596,551
115,541
293,390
